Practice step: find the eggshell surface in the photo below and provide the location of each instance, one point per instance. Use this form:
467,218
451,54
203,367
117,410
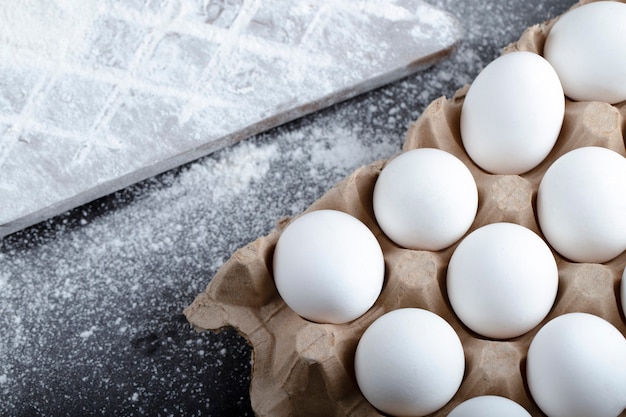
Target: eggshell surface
489,406
576,367
513,113
623,292
328,267
409,362
502,280
587,48
425,199
581,203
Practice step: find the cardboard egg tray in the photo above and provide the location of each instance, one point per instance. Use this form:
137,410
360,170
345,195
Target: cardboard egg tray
302,368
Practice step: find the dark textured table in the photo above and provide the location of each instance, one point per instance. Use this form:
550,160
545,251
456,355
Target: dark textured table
91,301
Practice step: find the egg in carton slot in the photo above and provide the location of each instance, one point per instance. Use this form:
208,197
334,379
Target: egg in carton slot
304,368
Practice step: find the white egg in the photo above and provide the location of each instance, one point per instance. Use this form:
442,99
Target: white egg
587,48
502,280
623,292
489,406
581,204
328,267
409,362
576,367
425,199
512,114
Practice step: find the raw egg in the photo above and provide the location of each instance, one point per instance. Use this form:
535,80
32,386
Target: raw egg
328,267
587,48
576,367
409,362
489,406
581,204
425,199
502,280
623,292
512,113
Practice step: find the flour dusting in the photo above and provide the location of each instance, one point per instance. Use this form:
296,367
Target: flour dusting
123,88
48,28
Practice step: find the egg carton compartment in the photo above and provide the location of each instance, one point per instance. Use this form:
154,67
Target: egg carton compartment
301,368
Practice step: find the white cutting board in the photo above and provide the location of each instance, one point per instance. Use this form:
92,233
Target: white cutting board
96,95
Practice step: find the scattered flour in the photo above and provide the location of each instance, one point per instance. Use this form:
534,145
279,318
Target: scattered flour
97,295
87,333
52,27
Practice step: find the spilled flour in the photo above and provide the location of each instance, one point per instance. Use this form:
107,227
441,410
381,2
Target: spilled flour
91,303
97,95
51,27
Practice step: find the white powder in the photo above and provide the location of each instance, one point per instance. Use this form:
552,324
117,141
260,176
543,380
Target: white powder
87,333
99,298
48,28
333,154
91,304
233,174
125,87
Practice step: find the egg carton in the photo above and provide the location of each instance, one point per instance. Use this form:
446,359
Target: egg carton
301,368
